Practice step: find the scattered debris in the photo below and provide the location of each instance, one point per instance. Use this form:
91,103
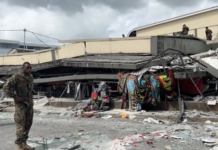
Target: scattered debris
208,140
74,147
175,137
197,98
80,132
167,147
152,121
86,115
208,122
106,117
184,121
214,148
123,115
131,117
70,108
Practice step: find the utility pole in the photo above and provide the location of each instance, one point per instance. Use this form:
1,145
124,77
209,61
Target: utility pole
24,43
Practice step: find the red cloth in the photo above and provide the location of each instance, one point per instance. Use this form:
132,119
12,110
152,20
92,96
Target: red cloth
94,95
187,87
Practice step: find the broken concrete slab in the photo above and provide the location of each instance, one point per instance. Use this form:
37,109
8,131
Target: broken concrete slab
131,117
40,103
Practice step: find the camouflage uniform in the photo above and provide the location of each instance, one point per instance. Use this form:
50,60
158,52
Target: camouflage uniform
208,34
21,86
185,30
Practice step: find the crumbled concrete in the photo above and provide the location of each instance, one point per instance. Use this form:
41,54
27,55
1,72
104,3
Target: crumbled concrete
167,147
97,133
106,130
131,117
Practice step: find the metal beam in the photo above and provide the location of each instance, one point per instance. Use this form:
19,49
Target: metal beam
78,77
126,65
178,75
183,75
101,65
13,69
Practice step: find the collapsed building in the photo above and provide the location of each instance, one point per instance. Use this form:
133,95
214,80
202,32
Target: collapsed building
74,70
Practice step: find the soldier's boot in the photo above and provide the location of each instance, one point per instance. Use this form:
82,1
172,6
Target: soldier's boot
27,147
20,146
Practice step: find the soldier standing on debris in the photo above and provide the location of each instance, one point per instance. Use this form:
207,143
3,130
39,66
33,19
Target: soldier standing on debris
208,34
20,87
185,30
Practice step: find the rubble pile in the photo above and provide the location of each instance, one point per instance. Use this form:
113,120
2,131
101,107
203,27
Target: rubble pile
179,79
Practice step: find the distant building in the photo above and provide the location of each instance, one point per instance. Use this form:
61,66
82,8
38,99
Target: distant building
7,45
196,21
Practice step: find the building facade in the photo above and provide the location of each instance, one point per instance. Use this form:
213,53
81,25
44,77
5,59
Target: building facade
196,21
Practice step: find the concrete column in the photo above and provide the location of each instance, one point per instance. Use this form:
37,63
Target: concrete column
217,32
196,32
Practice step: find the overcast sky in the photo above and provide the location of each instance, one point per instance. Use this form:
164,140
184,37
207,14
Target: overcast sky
76,19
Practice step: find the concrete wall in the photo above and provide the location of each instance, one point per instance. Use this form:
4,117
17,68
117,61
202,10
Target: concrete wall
197,21
73,50
103,46
124,45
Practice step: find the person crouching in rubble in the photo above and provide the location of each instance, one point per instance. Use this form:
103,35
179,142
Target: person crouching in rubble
97,104
20,87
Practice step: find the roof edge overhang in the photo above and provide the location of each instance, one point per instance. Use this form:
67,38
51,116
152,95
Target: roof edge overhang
173,19
103,39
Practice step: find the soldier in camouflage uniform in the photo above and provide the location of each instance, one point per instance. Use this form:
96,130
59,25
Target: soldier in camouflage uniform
20,87
208,34
185,30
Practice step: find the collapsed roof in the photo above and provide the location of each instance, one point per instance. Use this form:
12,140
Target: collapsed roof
101,58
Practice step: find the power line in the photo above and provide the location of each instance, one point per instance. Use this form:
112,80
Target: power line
41,40
11,30
41,35
25,30
35,34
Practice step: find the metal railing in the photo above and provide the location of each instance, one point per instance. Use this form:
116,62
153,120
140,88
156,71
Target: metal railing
196,31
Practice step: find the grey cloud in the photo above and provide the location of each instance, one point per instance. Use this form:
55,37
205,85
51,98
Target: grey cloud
59,25
76,5
182,3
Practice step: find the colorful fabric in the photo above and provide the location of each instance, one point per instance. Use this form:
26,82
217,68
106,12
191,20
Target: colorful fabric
124,104
106,99
142,90
167,81
131,86
131,91
139,107
122,88
155,90
122,83
168,84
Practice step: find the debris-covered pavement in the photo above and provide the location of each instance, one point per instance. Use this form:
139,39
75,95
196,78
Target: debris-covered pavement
112,133
69,128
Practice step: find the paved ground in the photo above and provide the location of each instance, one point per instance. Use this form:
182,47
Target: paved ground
97,133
